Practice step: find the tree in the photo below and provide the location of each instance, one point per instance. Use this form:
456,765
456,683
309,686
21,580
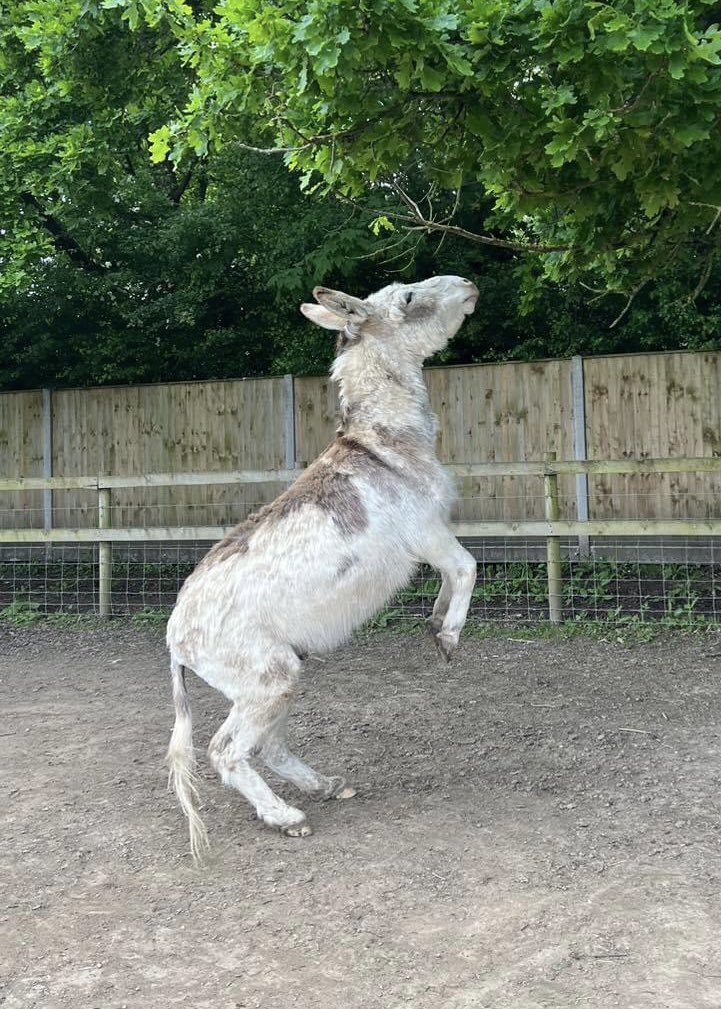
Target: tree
592,128
115,269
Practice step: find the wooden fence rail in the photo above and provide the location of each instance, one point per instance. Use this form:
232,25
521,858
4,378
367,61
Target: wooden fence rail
550,529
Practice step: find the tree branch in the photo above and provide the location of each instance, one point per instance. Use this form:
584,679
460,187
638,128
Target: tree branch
711,206
629,301
705,273
63,241
417,222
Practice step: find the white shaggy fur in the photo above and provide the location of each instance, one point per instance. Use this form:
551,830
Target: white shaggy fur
329,553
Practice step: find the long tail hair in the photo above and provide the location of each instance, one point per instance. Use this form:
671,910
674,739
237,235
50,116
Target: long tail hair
181,763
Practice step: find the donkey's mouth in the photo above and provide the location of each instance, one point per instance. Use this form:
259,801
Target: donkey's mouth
469,303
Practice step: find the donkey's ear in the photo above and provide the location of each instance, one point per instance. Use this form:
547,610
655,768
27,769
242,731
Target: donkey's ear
348,308
322,317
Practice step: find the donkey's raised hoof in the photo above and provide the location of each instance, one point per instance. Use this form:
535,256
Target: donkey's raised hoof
303,829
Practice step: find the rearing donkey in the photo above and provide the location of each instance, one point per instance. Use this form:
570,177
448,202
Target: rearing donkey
300,575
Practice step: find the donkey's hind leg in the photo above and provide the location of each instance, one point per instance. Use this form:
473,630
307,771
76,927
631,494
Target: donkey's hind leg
279,758
258,708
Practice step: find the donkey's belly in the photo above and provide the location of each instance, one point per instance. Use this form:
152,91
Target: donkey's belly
320,618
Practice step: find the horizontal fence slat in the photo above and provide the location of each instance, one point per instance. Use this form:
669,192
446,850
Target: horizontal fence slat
198,479
487,469
610,528
149,480
50,483
141,535
568,467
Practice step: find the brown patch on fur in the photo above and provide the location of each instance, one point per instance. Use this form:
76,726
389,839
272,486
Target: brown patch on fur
405,440
345,565
394,377
182,701
236,542
327,484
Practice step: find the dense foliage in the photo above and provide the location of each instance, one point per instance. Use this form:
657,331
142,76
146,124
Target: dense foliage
579,125
593,127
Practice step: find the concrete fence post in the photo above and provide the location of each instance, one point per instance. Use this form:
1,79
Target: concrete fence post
105,554
290,455
47,457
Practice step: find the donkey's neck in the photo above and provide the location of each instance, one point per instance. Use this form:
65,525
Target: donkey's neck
379,395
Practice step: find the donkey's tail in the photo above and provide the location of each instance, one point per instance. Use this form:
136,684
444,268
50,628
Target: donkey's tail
181,763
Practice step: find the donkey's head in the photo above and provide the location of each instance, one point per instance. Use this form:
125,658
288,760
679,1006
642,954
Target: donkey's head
412,321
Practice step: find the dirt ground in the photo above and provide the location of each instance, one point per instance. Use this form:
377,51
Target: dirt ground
536,825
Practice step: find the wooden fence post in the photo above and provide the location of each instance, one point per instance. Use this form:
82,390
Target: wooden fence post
553,544
105,554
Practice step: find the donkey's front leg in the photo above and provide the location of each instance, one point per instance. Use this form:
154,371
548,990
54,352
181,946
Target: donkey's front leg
442,551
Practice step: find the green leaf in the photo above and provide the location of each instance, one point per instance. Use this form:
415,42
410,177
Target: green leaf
690,134
677,65
624,164
459,64
381,223
431,79
658,196
644,35
160,144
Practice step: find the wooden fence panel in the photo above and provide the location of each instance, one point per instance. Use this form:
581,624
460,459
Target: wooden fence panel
21,454
654,406
316,416
504,413
636,406
194,426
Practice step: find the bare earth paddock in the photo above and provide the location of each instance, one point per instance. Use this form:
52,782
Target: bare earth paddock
537,825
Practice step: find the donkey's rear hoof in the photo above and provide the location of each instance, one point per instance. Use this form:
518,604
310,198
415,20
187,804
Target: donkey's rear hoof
335,788
303,829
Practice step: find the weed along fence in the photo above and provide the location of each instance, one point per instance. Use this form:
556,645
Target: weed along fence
569,567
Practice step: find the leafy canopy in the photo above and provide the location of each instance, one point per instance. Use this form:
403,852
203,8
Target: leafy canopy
577,125
593,127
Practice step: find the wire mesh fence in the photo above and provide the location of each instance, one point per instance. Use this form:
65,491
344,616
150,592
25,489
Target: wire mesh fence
616,582
642,578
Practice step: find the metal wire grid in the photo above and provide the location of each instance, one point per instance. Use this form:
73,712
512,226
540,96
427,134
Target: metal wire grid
642,578
616,581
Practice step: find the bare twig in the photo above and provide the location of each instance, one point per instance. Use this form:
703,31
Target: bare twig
607,956
272,150
422,224
710,206
630,299
627,107
643,732
405,198
705,273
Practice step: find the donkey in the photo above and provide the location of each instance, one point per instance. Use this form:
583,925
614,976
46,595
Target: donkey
300,575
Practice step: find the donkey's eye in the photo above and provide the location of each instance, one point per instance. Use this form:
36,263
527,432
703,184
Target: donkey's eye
409,297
